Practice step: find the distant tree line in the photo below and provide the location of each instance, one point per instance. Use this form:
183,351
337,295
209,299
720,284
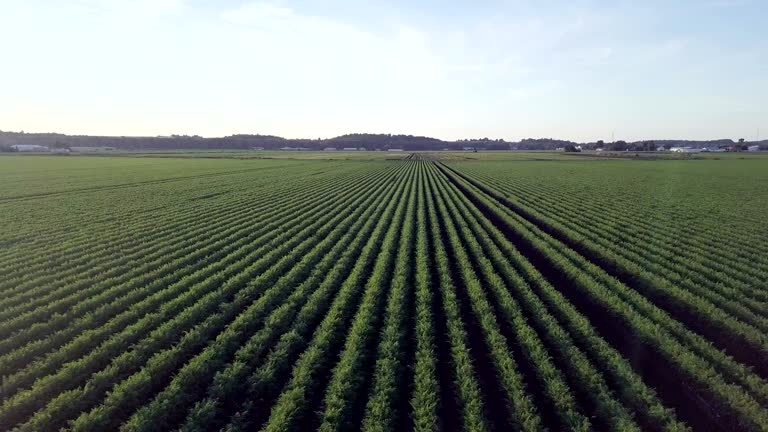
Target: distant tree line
356,140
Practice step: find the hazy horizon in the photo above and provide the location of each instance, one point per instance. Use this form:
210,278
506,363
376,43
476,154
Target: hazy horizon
578,71
746,138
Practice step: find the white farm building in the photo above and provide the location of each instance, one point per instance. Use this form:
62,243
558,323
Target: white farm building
685,150
29,148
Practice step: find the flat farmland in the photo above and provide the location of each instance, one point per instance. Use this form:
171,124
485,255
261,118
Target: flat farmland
425,291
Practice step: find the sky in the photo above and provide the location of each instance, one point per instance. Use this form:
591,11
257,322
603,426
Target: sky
580,70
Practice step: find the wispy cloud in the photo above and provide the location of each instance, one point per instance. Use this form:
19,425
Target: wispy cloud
256,12
532,90
319,48
132,8
726,3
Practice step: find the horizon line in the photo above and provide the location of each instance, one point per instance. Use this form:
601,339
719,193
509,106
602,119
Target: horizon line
24,132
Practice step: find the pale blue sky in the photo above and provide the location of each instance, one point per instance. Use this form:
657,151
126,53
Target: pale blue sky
451,69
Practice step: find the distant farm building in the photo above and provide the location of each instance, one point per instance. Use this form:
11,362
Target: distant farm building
60,151
753,148
91,149
395,150
329,149
685,150
350,149
29,148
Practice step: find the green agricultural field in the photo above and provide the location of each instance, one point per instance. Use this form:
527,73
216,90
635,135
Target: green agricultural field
271,291
258,154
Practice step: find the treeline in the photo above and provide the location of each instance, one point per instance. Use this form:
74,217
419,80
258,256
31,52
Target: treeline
357,140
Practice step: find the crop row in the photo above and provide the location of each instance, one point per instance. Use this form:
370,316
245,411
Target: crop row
718,248
713,266
189,289
725,390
